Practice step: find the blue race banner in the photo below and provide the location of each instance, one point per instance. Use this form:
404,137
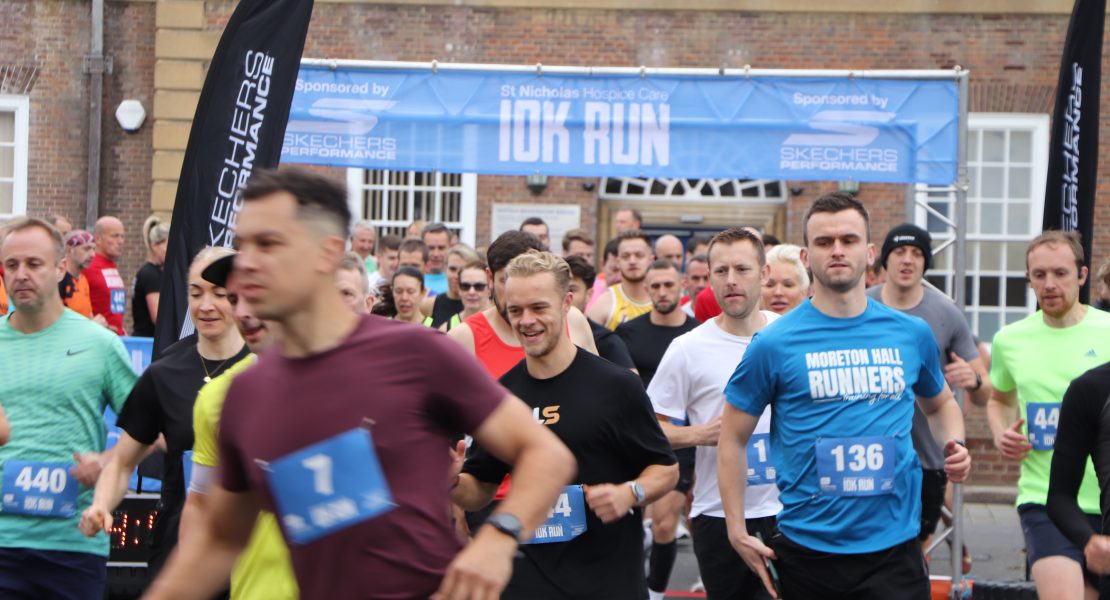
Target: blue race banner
514,123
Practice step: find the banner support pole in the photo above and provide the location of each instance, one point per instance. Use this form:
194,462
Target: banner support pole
959,295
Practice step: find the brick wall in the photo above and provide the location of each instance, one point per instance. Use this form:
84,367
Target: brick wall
54,35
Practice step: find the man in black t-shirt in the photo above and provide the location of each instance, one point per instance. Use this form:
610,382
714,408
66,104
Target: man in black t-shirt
1083,432
647,338
591,545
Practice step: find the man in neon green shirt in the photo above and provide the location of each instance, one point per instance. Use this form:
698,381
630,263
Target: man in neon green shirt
1034,361
60,371
263,571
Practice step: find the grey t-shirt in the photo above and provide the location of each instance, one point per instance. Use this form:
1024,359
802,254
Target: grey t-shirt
953,335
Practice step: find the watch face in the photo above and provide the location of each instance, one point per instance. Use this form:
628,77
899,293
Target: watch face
506,523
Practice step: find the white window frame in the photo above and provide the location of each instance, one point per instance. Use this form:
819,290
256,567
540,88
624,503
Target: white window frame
1038,126
468,208
20,106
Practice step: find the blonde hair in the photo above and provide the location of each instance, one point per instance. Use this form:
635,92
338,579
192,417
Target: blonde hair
534,262
791,255
155,231
210,254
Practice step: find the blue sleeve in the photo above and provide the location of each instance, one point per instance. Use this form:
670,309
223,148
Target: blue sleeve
752,385
930,381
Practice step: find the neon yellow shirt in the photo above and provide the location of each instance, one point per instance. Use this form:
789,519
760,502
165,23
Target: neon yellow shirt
1040,362
263,571
624,309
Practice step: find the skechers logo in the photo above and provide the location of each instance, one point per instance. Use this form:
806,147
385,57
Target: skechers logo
71,351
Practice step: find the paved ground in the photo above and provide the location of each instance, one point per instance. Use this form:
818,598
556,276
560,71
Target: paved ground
993,534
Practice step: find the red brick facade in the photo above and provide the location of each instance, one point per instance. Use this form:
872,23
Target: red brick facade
1013,60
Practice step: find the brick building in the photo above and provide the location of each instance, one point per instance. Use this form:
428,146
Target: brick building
158,52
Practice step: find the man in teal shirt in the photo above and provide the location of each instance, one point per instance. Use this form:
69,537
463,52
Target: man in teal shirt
60,371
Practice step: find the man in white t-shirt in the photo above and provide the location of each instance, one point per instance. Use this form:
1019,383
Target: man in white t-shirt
689,385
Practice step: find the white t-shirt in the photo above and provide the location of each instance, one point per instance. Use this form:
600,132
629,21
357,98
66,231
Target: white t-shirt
691,381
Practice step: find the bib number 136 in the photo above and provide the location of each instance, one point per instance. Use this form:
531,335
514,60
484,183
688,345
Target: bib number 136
861,466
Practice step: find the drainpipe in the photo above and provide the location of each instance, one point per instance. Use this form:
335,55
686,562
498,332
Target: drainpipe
95,66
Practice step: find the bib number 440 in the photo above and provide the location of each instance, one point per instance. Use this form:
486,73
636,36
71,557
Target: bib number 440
39,489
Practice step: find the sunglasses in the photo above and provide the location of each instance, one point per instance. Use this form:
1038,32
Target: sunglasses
478,287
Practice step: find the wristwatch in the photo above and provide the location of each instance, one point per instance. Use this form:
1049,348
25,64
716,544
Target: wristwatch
506,523
978,382
637,492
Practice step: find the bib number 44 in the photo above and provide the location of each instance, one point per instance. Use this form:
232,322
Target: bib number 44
1041,421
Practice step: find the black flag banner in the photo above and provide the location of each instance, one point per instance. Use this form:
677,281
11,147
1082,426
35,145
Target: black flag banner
238,127
1069,199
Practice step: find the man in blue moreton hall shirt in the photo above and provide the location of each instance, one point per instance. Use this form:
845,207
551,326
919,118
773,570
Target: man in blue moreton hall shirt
841,373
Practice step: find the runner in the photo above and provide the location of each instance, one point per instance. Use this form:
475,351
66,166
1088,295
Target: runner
60,371
1082,436
310,401
688,384
1033,362
907,254
442,307
74,286
840,372
629,298
537,227
601,412
353,282
407,288
474,290
647,338
669,247
437,239
161,405
787,282
264,571
106,290
609,345
694,279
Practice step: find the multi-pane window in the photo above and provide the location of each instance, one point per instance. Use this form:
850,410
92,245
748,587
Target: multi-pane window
13,155
1007,157
394,199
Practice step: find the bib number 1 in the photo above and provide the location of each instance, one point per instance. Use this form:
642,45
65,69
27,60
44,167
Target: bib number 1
1041,421
39,489
760,469
856,466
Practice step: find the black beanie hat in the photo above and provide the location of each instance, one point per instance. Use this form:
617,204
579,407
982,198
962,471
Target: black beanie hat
908,234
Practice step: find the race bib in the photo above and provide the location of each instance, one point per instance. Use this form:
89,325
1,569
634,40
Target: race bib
760,469
118,301
329,486
39,489
862,466
1041,419
565,521
187,467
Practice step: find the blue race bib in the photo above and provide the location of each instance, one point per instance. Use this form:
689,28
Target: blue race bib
118,301
760,469
329,486
39,489
862,466
187,467
565,521
1041,419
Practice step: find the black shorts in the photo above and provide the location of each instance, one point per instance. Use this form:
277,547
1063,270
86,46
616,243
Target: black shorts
32,574
1043,539
726,576
805,574
685,469
933,483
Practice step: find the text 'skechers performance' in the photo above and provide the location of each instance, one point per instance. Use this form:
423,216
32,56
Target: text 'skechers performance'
514,123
